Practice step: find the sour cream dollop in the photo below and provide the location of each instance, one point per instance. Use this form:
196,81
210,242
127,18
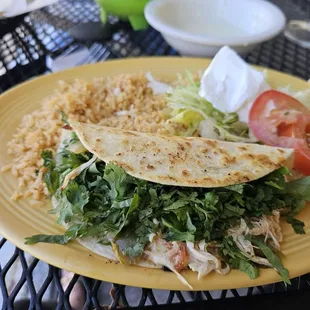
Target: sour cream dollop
231,85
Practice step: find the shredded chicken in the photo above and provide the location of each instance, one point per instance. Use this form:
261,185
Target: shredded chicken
161,252
268,226
201,261
76,172
247,249
275,228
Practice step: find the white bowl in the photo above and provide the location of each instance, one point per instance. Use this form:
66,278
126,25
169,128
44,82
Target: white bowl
202,27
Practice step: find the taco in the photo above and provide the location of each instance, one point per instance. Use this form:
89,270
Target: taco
172,202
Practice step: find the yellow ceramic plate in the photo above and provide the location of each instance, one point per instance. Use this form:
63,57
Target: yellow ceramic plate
20,219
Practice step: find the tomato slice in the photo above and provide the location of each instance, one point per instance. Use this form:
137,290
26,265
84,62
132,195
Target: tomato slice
302,156
280,120
181,257
302,161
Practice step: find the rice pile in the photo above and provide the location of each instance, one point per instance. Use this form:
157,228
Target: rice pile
125,102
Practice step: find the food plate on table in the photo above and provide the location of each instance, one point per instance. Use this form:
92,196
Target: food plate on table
138,102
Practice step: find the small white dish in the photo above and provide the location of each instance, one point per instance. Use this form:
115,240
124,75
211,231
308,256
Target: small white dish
202,27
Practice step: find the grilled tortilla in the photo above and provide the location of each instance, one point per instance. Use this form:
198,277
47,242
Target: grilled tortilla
181,161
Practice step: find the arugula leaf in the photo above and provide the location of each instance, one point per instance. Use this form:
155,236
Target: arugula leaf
230,249
51,176
299,187
74,138
239,199
237,259
232,211
134,251
246,267
51,179
58,239
117,179
122,204
64,208
211,199
134,204
274,184
190,227
273,259
236,188
67,161
74,231
48,159
77,195
175,235
93,169
297,225
129,244
176,205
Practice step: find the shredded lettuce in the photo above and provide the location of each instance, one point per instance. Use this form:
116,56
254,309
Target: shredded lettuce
189,109
302,95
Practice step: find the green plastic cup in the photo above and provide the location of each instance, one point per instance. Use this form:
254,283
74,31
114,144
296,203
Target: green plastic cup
126,10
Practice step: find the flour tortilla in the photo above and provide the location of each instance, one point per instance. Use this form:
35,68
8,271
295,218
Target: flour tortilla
181,161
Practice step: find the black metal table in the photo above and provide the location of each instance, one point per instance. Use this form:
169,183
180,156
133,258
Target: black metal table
26,43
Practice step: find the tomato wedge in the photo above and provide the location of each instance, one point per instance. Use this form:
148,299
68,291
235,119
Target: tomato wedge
180,259
301,155
280,120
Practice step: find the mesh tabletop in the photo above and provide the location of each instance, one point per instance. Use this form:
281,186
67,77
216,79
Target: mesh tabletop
27,44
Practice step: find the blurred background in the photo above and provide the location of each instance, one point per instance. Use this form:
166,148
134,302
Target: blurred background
29,42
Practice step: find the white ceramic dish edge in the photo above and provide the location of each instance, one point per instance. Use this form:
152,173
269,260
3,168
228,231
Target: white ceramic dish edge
190,44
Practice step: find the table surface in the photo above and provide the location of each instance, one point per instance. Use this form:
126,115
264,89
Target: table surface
27,45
